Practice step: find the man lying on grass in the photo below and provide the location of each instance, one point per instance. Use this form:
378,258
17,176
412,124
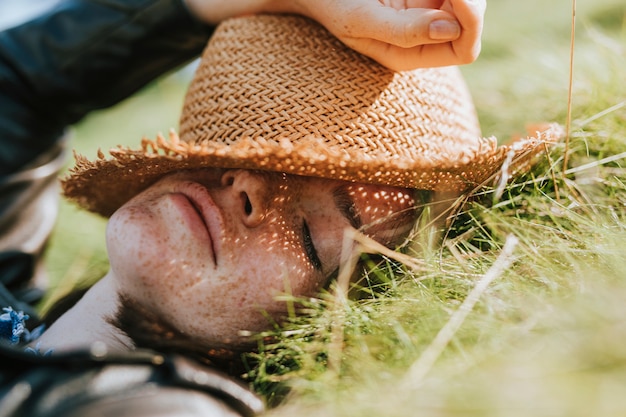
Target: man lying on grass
287,140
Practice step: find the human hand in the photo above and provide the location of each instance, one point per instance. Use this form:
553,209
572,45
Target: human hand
407,34
399,34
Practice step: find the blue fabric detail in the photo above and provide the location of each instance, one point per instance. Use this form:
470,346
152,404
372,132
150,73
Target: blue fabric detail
12,324
13,327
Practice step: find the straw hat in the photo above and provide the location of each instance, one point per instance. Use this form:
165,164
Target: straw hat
280,93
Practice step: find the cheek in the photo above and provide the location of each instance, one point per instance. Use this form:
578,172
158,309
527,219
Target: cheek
266,266
267,258
217,311
247,287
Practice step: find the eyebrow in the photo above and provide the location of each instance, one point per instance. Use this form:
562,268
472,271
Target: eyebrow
345,204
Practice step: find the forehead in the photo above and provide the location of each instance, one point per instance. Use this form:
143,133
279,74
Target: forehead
375,201
387,213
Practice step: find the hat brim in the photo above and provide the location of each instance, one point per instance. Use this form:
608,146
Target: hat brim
105,184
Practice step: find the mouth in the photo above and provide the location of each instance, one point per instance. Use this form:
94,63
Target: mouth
202,216
198,210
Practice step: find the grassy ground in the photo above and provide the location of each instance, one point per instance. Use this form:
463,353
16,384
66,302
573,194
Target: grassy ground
485,324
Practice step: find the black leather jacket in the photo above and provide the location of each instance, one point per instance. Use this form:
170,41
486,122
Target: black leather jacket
133,384
79,56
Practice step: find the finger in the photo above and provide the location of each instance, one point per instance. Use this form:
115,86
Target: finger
402,59
402,28
470,14
412,4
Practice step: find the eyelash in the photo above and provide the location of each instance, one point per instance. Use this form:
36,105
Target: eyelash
310,248
345,204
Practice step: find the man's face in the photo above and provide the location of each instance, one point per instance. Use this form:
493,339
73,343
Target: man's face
210,250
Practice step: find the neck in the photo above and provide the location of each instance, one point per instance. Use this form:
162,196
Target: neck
87,322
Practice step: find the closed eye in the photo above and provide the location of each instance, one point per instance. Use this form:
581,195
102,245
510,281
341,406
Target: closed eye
309,247
345,204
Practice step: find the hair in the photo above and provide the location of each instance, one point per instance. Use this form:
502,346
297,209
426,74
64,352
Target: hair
148,330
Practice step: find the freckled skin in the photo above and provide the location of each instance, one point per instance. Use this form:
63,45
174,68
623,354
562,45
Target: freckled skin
213,287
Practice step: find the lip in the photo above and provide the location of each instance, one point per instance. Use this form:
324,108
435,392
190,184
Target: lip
202,214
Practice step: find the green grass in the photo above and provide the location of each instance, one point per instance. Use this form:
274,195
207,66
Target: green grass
546,337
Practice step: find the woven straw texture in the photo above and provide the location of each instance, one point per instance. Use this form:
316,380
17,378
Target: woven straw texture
280,93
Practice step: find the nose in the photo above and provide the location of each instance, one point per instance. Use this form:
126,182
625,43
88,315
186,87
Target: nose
249,191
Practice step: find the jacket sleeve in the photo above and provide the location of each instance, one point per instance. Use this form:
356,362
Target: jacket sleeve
80,56
120,384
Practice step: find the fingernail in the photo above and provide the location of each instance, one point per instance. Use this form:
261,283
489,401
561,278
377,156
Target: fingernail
444,29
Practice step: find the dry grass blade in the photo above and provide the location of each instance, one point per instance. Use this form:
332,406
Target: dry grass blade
422,366
568,123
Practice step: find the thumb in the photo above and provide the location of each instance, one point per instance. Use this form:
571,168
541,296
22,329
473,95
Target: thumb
405,28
